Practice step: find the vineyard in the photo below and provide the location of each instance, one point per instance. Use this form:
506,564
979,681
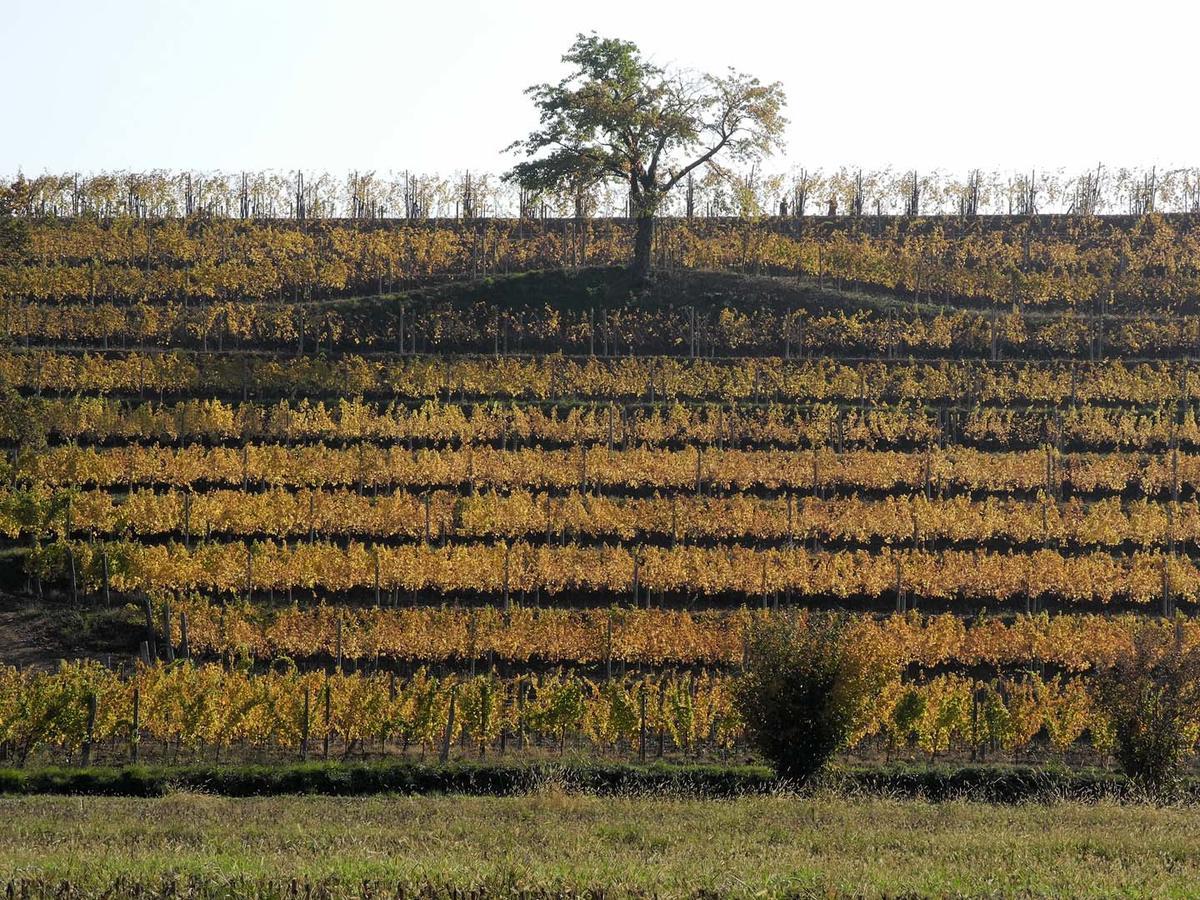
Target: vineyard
357,491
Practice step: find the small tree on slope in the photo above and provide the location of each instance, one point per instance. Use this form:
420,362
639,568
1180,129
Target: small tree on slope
619,117
807,691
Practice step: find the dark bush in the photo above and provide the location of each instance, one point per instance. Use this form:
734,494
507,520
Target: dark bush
807,689
1151,697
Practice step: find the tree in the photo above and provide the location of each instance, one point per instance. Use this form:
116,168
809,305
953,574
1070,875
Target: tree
619,117
1151,697
14,236
808,691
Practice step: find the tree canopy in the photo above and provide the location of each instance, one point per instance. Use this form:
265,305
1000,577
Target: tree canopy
617,116
14,234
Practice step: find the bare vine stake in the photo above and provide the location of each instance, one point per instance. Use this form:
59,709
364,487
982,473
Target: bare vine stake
185,649
304,726
90,731
642,729
325,749
376,555
151,649
609,647
136,730
507,555
449,736
168,644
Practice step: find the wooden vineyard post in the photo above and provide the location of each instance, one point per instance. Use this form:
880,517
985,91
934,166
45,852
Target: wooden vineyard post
168,644
635,578
472,635
449,736
311,530
608,649
1170,530
187,519
136,729
642,727
304,726
185,649
662,735
507,558
1175,472
328,716
521,688
104,576
901,604
90,731
974,720
375,555
763,581
74,584
338,648
151,648
249,571
1168,605
790,520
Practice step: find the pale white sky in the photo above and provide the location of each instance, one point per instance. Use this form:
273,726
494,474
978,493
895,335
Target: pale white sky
437,86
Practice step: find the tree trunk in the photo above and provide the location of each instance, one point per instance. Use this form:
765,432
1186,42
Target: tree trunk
643,243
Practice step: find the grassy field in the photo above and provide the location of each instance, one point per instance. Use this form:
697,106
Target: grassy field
564,843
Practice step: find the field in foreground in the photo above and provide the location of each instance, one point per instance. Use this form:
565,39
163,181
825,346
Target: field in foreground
572,844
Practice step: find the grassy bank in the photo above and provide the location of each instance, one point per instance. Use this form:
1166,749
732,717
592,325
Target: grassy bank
559,843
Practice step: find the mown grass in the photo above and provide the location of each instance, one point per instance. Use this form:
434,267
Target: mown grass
564,842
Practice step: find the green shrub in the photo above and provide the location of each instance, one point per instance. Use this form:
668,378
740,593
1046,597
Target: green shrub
1151,697
808,688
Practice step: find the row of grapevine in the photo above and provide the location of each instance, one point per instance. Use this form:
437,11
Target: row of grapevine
104,420
1150,261
642,574
762,325
642,637
84,710
523,514
371,467
656,379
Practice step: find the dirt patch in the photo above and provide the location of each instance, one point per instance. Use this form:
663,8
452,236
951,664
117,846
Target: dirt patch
26,638
38,635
